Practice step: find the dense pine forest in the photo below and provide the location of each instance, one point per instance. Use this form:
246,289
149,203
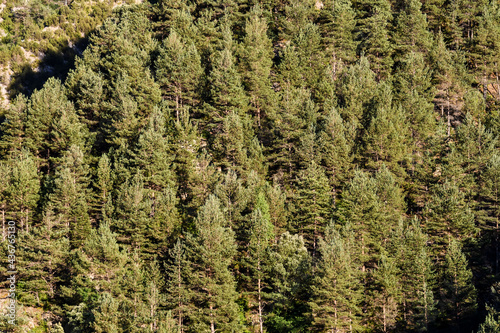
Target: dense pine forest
191,166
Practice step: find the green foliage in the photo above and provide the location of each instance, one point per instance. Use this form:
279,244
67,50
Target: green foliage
252,166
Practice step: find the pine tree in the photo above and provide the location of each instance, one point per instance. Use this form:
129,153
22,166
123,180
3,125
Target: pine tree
4,196
337,24
255,65
153,156
410,33
415,92
44,254
459,293
178,296
416,276
485,45
335,146
13,127
52,125
313,202
448,214
387,136
373,207
297,112
355,90
386,294
288,280
179,72
121,55
336,293
104,186
145,219
277,208
155,299
70,195
373,35
23,189
475,144
107,315
212,285
489,214
490,324
98,268
258,249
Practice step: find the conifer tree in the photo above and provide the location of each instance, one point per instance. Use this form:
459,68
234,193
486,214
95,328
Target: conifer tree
373,35
46,248
179,72
23,189
410,33
52,125
337,24
98,268
373,206
293,14
297,111
13,127
104,185
490,325
256,63
335,144
212,285
459,293
355,91
70,195
387,136
155,299
448,215
313,202
152,155
121,54
489,215
386,294
417,277
277,208
475,144
107,315
336,293
258,249
4,196
178,296
486,45
288,280
415,92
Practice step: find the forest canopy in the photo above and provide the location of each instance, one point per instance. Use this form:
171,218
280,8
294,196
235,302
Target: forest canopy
251,166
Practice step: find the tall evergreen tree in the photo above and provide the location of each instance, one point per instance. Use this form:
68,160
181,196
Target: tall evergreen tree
70,196
336,291
288,280
211,251
386,295
13,127
258,249
313,202
373,35
338,22
178,297
23,190
410,33
387,136
255,65
459,299
335,143
179,72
